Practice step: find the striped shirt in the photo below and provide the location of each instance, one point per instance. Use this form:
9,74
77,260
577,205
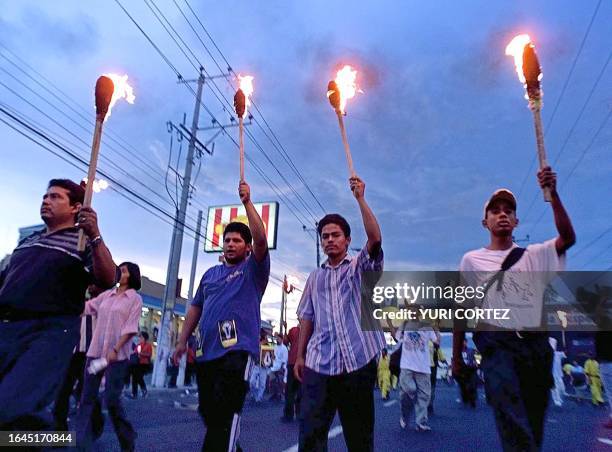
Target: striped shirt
46,275
332,301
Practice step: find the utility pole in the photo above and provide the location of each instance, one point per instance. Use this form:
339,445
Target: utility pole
315,230
180,379
170,292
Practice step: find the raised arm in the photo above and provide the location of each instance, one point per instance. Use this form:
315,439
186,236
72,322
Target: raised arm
369,220
567,236
258,230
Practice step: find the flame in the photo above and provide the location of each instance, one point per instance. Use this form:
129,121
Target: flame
122,90
516,49
246,85
98,184
346,81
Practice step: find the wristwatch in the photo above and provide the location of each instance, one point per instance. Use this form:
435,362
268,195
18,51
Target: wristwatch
95,241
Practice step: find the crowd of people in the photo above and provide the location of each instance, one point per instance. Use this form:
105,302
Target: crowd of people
52,337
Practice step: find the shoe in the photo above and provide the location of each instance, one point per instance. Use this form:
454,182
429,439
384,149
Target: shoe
131,396
402,422
145,393
423,428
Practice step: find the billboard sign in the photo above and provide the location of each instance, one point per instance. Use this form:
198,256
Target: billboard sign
220,216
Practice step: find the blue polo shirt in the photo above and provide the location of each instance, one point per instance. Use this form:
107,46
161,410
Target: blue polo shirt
232,295
46,276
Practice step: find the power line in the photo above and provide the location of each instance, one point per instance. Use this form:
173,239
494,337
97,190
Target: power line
563,89
282,151
166,59
116,186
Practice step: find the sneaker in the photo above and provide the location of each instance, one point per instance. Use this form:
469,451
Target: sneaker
144,394
402,422
423,428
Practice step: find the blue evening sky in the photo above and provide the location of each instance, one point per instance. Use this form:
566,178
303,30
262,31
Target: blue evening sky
441,124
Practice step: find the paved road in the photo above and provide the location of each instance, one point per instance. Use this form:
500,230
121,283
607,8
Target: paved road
167,421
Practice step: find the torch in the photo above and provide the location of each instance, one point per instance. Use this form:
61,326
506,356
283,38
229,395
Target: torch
109,88
241,102
530,74
338,92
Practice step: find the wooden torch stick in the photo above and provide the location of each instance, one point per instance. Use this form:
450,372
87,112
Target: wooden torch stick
347,149
104,94
241,138
537,121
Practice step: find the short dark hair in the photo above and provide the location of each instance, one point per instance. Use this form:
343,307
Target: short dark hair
134,281
334,218
240,228
76,193
145,335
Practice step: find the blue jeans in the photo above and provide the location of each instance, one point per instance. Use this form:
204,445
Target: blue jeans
114,374
34,358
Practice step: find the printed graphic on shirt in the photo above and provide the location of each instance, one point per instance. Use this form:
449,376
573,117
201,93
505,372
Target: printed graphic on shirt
227,333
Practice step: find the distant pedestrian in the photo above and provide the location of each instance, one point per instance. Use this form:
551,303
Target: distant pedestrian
277,372
145,352
292,394
384,374
118,311
591,370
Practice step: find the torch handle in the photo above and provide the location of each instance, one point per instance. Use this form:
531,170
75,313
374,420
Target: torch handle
537,120
91,173
241,139
347,149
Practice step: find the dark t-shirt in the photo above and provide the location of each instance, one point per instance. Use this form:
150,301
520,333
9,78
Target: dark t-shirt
46,275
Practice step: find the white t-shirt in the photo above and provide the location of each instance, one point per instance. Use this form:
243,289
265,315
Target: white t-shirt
523,285
281,354
415,351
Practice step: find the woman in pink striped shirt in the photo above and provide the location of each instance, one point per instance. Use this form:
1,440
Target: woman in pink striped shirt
118,313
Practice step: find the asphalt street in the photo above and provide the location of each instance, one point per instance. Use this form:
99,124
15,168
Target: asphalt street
167,420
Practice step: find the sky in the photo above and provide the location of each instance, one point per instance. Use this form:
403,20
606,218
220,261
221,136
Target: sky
441,123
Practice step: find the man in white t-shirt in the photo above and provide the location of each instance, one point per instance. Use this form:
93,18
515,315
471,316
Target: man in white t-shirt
517,364
279,367
414,380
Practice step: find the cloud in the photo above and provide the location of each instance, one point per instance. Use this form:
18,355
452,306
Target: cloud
69,38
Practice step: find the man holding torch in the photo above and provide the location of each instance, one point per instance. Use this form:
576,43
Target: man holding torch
516,357
336,358
228,303
42,295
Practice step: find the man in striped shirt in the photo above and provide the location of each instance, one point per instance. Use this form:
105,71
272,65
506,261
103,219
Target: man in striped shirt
336,360
42,295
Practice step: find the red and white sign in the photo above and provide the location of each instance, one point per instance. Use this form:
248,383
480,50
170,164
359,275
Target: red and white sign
220,216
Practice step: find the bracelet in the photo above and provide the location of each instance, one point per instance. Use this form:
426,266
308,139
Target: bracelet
95,241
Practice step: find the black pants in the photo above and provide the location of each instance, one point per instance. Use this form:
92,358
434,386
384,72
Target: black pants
223,384
85,425
351,394
468,385
518,379
433,377
62,401
189,371
292,395
34,358
138,373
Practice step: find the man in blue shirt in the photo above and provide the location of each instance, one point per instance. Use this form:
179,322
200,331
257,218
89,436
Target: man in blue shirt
336,359
228,301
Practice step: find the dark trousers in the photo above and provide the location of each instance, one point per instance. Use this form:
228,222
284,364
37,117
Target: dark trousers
351,395
138,373
292,395
85,428
468,385
34,358
433,377
223,384
189,372
518,379
62,401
